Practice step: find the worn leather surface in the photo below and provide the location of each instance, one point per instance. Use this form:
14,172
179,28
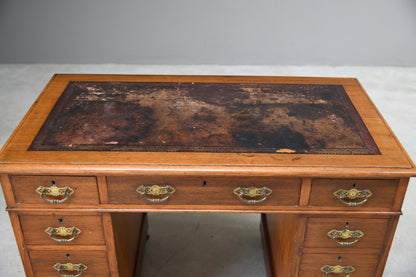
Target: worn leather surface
205,117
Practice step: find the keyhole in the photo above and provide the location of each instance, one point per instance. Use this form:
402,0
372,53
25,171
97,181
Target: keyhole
61,221
53,183
347,224
204,183
354,185
68,256
339,258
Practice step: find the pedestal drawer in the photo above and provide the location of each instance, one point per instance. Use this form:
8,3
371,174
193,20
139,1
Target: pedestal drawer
44,261
61,189
207,191
363,265
74,229
353,193
324,232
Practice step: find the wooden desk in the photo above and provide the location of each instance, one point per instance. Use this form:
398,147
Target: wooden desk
95,153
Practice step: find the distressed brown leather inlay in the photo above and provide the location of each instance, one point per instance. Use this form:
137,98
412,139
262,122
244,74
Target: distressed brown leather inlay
205,117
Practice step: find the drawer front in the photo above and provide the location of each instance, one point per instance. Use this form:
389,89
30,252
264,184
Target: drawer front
364,265
353,193
43,262
80,191
208,191
346,232
75,229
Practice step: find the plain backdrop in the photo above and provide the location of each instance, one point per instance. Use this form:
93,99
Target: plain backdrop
226,32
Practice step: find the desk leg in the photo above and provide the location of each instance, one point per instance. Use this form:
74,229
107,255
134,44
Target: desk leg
128,232
142,240
265,238
279,233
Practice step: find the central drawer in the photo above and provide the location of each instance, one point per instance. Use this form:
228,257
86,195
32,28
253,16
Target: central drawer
207,191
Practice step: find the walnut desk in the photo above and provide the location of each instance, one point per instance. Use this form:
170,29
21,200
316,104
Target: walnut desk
95,153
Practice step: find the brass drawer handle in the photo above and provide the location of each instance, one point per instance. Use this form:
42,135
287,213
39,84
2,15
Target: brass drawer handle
252,195
345,236
157,193
347,197
54,194
337,269
63,234
70,269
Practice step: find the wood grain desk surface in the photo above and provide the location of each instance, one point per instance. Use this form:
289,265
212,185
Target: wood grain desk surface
126,124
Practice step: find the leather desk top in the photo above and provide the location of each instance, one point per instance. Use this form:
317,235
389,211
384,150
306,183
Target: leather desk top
288,125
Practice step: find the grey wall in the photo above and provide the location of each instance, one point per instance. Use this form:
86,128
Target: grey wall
332,32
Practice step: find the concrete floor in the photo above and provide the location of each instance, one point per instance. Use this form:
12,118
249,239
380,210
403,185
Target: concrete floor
217,245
